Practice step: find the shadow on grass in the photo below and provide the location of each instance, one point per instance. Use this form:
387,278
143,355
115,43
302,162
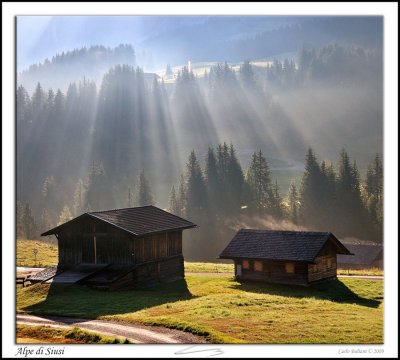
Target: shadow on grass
333,290
83,302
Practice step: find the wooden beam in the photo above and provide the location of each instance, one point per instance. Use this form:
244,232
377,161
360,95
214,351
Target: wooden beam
95,251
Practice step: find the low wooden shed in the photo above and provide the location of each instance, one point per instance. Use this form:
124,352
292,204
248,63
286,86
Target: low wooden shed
287,257
122,247
365,256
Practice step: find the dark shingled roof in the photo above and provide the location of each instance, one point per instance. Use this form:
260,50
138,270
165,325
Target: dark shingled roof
137,221
279,245
363,254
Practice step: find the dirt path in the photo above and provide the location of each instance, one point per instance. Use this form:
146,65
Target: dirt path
30,270
135,333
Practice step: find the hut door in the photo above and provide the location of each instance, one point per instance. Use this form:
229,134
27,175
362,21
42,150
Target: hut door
88,250
101,250
238,270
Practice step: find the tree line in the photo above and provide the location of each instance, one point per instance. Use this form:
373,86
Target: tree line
70,66
330,64
330,198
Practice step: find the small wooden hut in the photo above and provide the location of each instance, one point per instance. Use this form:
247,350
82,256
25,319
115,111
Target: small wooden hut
287,257
365,256
121,248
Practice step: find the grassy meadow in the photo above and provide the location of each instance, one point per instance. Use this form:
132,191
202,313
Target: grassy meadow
28,334
203,267
47,254
223,310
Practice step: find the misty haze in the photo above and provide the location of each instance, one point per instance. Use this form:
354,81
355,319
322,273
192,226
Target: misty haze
231,122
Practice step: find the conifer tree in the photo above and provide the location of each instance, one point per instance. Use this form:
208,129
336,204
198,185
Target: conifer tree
235,180
144,194
65,215
96,189
351,211
173,202
294,203
38,103
196,195
275,207
247,74
259,184
29,223
212,179
374,194
46,220
79,198
23,106
20,230
310,208
181,198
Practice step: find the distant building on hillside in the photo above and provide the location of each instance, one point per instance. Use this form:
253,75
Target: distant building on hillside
365,256
286,257
119,248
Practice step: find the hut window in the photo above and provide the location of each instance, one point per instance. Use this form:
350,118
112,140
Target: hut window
258,265
246,264
289,267
329,263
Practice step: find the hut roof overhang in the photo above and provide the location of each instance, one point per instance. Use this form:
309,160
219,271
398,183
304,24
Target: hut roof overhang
280,245
137,221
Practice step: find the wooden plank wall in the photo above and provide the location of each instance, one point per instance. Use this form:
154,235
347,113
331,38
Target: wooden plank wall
153,272
76,244
157,246
325,267
274,272
113,246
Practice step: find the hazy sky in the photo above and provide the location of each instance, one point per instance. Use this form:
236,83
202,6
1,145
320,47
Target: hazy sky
40,37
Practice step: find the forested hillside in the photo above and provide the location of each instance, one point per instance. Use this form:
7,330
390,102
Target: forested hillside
71,66
208,148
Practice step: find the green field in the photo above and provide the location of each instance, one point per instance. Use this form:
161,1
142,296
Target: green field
225,311
27,334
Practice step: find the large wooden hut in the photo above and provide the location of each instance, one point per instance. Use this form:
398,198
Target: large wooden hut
122,247
287,257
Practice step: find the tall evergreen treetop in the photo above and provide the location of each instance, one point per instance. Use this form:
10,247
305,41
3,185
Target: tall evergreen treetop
259,182
173,206
311,186
196,195
294,203
143,191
